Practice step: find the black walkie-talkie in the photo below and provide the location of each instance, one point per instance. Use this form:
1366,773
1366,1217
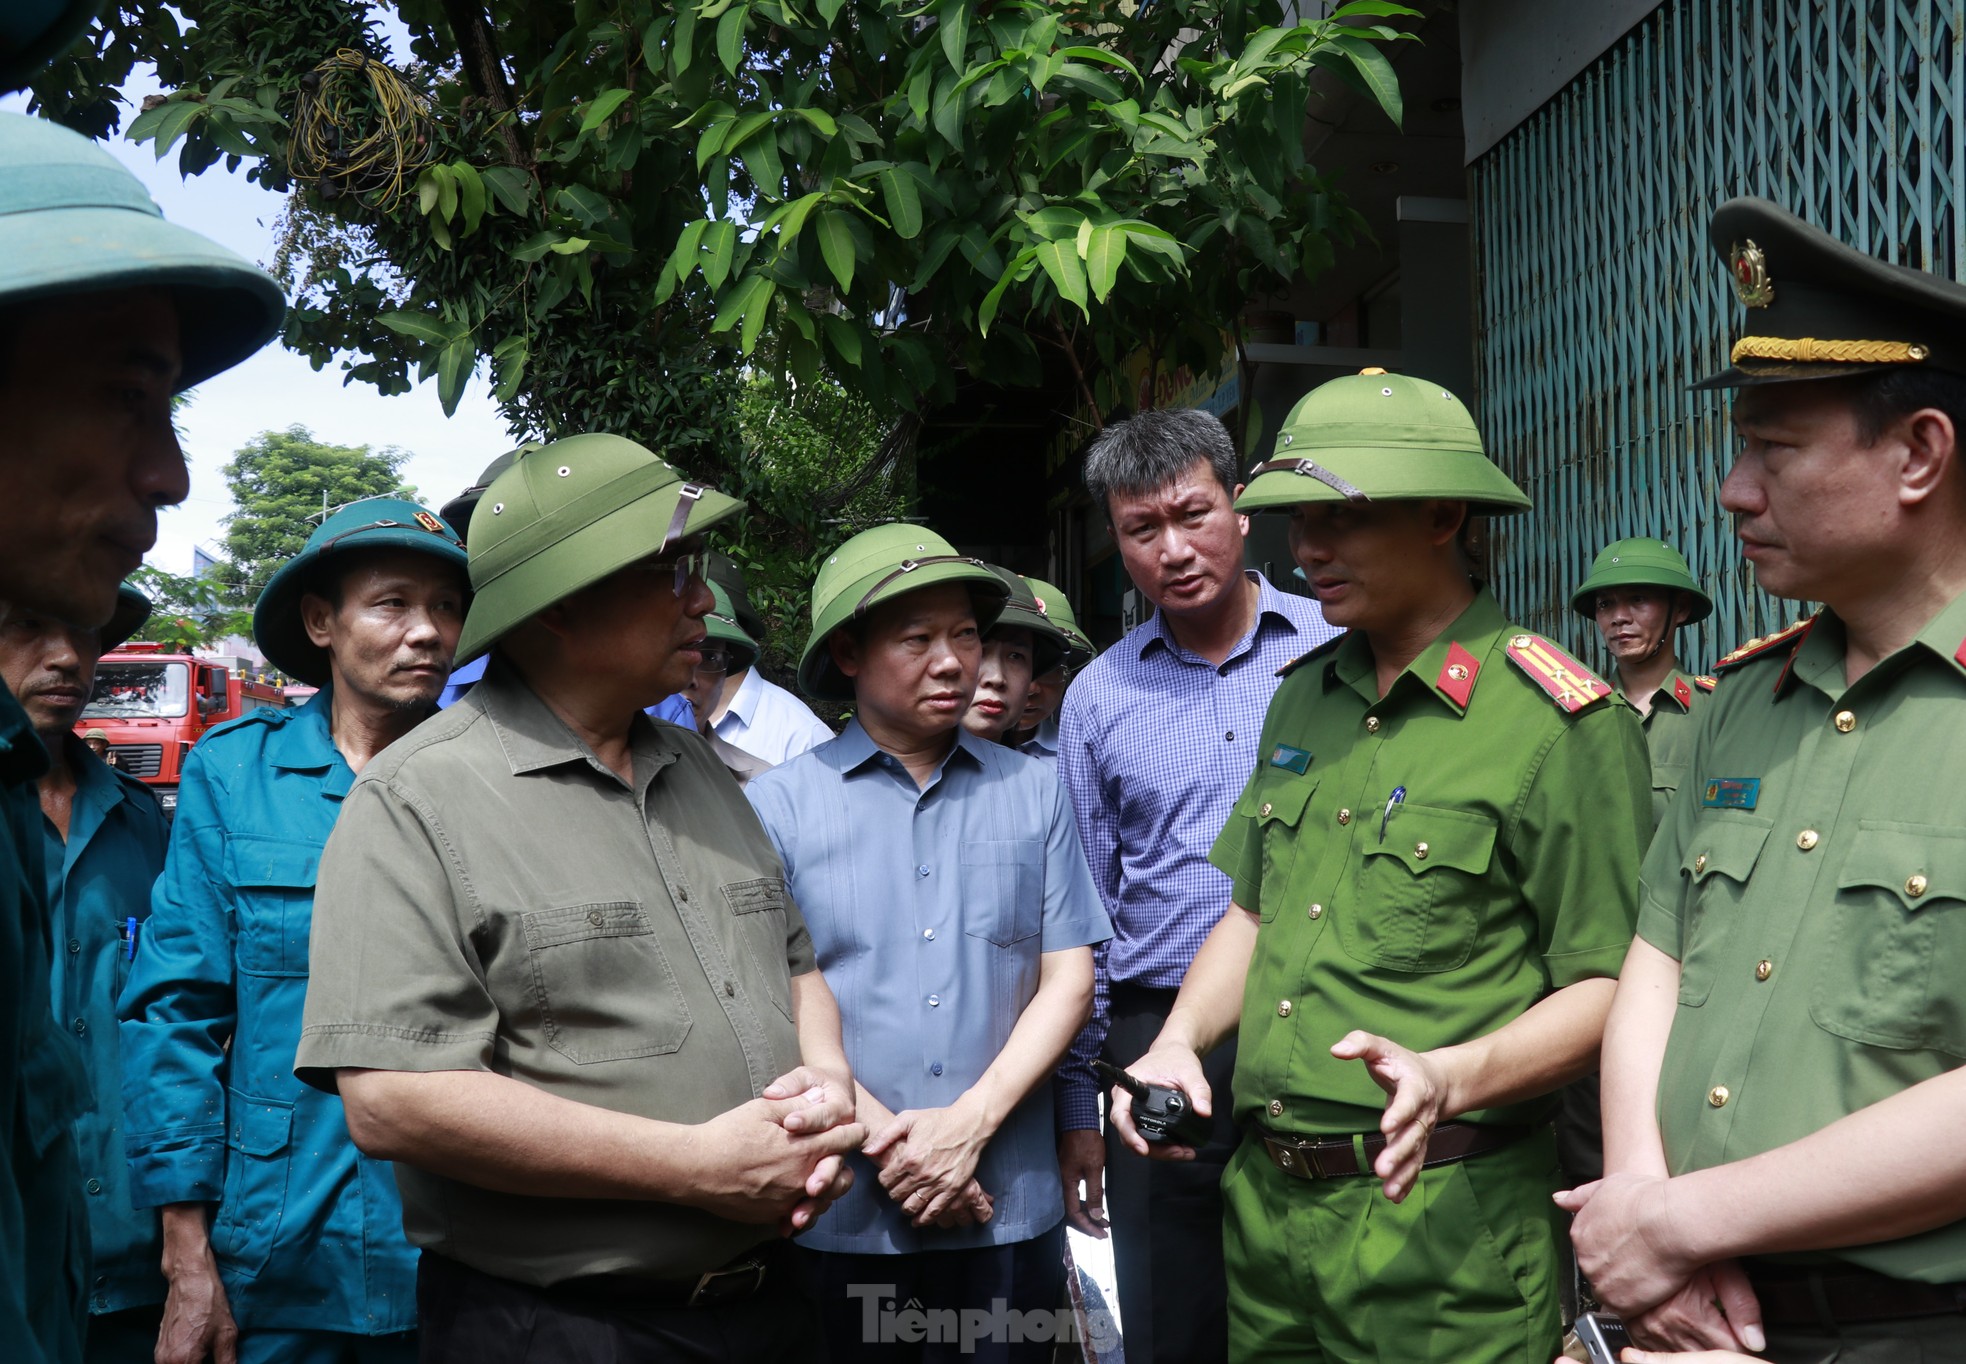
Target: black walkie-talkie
1161,1113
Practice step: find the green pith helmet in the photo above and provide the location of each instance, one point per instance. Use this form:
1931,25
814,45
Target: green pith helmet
1640,562
876,566
373,523
132,610
74,221
35,32
458,510
1020,609
725,573
1058,610
567,515
722,626
1379,437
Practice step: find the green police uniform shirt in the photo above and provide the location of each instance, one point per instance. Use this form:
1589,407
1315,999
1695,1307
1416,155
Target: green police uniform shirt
1428,864
1669,735
1811,883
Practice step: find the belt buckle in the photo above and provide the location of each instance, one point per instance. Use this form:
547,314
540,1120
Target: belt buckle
728,1284
1288,1154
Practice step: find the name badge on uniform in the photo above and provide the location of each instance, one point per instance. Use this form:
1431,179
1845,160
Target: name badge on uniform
1731,793
1290,759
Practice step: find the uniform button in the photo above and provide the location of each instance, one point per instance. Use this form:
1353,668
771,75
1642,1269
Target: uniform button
1371,724
935,1069
1344,816
682,893
929,933
1283,1008
1807,839
1845,721
935,1001
1317,911
1764,969
922,870
81,1026
596,918
1264,811
75,944
1699,864
95,1186
1718,1096
1420,851
730,989
1229,738
1915,885
1276,1108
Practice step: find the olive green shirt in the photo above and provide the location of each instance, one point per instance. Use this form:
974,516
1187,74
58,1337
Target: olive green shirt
1668,729
495,898
1507,869
1811,882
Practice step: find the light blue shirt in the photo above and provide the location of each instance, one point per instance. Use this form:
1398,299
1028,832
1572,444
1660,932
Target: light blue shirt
307,1232
99,881
769,722
1043,745
929,909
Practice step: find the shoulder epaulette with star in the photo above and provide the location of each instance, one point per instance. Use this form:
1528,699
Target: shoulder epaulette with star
1705,683
1569,683
1766,644
1294,664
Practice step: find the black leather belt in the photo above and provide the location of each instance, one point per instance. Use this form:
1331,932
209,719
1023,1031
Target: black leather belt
1798,1295
1338,1157
740,1279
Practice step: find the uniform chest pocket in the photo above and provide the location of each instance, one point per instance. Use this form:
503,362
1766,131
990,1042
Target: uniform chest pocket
758,911
1892,950
604,986
273,880
1277,808
1415,906
1719,859
258,1135
1003,889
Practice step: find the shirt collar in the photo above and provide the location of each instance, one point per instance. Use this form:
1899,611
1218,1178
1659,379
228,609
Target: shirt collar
1818,655
1269,607
744,703
534,738
1676,691
855,749
22,759
1448,668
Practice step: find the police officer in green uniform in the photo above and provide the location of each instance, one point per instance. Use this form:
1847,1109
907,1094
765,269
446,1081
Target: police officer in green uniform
1639,592
1782,1069
108,311
1434,863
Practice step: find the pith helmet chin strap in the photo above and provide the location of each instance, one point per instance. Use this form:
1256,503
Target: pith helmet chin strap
1665,631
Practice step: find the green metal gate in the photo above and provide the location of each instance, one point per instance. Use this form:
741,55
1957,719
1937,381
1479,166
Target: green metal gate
1600,300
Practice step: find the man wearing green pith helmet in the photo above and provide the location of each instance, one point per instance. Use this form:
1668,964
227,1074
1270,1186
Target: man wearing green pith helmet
1434,868
106,311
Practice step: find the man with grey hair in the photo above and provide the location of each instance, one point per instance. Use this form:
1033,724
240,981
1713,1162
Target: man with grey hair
1150,801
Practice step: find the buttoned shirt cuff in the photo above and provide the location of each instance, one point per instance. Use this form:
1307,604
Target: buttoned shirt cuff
328,1047
1599,963
191,1172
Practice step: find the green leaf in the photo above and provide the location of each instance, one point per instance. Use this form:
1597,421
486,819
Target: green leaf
730,37
734,308
796,214
721,240
755,315
948,117
1379,9
1044,67
682,260
836,245
440,233
536,246
425,327
682,43
904,202
1100,54
1103,258
601,108
761,158
470,194
446,192
511,367
1091,81
586,204
572,246
511,186
953,21
454,364
710,142
1016,270
844,336
427,191
175,122
829,10
1061,261
652,37
821,121
1377,73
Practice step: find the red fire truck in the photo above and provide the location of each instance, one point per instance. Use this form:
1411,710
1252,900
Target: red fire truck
154,706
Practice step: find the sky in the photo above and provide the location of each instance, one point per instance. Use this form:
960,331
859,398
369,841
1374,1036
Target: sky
276,388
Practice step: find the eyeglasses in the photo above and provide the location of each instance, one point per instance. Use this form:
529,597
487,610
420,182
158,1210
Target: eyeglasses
687,569
714,661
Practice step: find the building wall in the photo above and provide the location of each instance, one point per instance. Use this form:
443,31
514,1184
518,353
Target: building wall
1599,299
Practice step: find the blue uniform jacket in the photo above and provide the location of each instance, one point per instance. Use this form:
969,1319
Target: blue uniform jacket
99,885
308,1232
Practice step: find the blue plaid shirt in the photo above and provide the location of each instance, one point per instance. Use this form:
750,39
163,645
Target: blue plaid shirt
1154,745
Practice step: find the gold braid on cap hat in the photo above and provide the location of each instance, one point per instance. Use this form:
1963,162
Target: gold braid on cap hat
1807,349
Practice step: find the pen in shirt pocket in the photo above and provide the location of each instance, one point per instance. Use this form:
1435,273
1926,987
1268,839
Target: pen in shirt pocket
126,936
1398,797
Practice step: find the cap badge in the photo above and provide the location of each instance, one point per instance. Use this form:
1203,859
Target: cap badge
430,523
1040,602
1751,283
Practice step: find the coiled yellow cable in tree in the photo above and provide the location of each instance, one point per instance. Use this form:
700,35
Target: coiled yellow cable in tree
359,129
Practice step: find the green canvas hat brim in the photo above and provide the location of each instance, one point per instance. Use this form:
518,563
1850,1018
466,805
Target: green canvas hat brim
132,610
1048,642
721,629
1637,575
822,680
63,24
277,626
227,309
1388,474
581,558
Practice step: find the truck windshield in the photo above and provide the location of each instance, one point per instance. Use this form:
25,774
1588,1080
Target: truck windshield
140,689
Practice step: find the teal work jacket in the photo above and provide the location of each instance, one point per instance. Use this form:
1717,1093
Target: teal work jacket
99,884
308,1232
